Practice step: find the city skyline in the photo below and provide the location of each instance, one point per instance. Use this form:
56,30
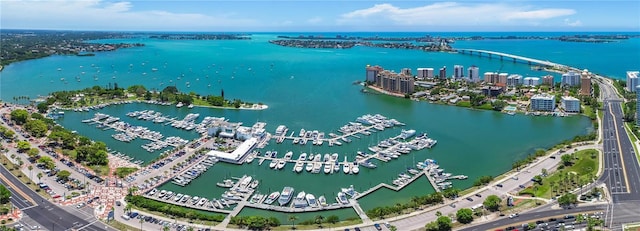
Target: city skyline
316,16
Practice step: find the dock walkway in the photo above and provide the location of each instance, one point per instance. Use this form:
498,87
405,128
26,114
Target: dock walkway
111,126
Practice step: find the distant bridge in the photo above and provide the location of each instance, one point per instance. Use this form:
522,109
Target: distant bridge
514,58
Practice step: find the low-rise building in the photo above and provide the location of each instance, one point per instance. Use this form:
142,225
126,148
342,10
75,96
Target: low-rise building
543,102
514,80
531,81
570,104
492,91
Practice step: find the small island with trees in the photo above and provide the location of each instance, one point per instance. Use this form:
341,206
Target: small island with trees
96,95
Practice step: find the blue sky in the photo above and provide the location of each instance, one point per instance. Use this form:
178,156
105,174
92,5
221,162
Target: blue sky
331,15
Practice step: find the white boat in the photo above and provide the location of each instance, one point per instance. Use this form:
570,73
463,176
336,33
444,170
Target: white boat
288,155
273,163
345,166
285,196
300,201
298,167
355,169
311,200
281,164
342,198
323,201
249,159
309,166
405,134
272,198
190,106
179,104
302,156
254,184
327,168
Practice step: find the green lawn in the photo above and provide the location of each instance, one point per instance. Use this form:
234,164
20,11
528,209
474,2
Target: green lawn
583,167
463,104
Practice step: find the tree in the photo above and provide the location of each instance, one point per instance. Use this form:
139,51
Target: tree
444,223
544,172
293,219
451,193
537,179
42,107
47,162
567,199
165,228
33,152
39,175
23,146
566,159
64,175
464,215
319,219
37,128
333,219
19,116
492,203
127,208
30,167
5,194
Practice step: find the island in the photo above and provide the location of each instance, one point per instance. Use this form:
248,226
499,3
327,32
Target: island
99,97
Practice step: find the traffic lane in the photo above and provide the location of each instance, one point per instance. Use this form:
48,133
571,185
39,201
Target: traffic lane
629,158
527,217
42,212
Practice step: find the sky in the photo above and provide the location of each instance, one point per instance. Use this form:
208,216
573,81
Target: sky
321,16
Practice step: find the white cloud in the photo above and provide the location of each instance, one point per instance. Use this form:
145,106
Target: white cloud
99,14
452,14
315,20
575,23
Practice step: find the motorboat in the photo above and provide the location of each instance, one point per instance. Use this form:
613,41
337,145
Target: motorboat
285,196
272,198
311,200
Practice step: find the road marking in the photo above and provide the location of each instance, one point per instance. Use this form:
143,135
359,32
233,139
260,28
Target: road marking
624,170
23,194
23,209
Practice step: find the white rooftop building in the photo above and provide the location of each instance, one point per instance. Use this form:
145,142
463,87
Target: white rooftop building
570,104
632,80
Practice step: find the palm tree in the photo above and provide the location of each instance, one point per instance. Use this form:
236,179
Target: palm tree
128,208
39,175
293,219
141,221
319,220
189,228
165,228
30,167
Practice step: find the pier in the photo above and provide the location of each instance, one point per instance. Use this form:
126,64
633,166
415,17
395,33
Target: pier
114,126
514,58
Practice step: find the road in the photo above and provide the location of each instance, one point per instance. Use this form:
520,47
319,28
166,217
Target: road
532,217
47,214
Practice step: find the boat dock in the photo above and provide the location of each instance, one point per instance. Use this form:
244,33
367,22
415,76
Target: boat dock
110,123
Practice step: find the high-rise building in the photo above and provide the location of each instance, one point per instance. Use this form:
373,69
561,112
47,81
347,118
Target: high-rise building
474,74
394,82
372,72
547,80
406,71
514,80
443,72
424,73
543,102
570,78
570,104
491,77
458,72
502,78
531,81
632,80
585,83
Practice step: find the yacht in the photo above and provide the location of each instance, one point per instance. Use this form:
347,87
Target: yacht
281,164
327,167
272,198
342,198
355,169
285,196
346,167
298,167
250,159
273,163
299,201
323,201
190,106
179,104
288,155
302,156
309,166
311,200
405,134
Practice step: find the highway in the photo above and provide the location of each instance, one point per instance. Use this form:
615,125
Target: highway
47,214
532,217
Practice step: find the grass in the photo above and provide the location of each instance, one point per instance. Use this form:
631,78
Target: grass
160,214
23,178
583,167
629,129
486,106
588,111
632,227
463,104
287,226
121,226
100,170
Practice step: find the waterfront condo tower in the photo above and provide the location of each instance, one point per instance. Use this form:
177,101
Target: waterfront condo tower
443,72
458,72
514,80
474,74
531,81
543,102
372,72
548,80
585,83
571,79
632,80
570,104
425,73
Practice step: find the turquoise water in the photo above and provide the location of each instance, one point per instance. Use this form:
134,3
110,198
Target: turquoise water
310,89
